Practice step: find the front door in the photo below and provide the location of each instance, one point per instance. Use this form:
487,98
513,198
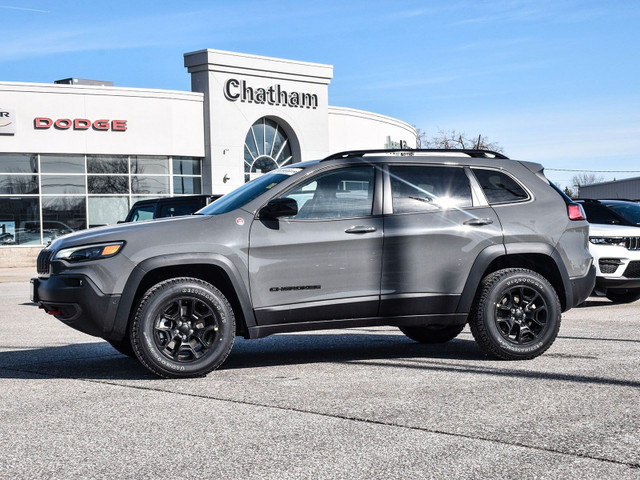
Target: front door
325,262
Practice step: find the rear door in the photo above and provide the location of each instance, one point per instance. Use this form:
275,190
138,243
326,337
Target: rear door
435,226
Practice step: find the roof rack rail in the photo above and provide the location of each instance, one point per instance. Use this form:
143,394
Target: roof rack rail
471,153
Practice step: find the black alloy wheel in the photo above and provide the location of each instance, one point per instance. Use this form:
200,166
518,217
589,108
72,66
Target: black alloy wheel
516,314
183,327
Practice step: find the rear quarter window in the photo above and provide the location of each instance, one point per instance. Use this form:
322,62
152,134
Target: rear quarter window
499,187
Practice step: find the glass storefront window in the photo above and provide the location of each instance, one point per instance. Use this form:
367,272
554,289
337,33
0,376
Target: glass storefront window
72,192
107,210
63,184
15,184
62,163
187,166
187,185
107,164
62,215
19,221
108,184
18,163
149,185
150,165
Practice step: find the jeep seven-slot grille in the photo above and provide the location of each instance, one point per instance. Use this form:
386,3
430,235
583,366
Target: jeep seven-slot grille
633,270
44,259
632,243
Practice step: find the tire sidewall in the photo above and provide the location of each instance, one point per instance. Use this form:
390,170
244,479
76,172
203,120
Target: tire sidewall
551,328
153,305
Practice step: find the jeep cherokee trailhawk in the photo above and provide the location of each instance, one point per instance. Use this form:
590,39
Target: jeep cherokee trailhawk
424,240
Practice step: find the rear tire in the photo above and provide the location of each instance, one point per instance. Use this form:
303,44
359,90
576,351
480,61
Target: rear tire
432,335
183,327
516,314
625,295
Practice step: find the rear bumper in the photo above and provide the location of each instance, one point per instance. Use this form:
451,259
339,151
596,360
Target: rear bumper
77,302
581,288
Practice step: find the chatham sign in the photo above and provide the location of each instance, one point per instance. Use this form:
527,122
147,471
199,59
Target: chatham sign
235,90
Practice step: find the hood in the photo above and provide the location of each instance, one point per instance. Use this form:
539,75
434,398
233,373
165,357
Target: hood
120,232
602,230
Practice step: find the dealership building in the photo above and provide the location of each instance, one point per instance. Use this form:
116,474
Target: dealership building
78,154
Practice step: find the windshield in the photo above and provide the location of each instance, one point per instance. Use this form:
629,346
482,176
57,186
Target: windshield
630,211
247,192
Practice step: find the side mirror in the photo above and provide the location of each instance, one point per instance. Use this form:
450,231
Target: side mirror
279,207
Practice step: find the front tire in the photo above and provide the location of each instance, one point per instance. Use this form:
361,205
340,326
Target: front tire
183,327
432,335
626,295
516,315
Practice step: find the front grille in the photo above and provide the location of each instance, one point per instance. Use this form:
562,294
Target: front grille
633,270
632,243
44,260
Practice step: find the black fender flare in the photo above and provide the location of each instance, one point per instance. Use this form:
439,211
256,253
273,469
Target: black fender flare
494,252
127,298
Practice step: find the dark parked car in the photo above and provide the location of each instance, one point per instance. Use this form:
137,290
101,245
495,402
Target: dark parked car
168,207
424,240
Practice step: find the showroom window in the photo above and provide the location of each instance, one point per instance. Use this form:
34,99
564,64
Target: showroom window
266,147
45,196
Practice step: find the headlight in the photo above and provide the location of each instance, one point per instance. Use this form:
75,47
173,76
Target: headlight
89,252
615,241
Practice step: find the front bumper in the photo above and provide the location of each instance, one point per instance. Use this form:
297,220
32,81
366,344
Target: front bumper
604,283
77,302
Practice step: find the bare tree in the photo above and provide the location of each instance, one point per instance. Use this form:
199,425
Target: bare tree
454,139
583,179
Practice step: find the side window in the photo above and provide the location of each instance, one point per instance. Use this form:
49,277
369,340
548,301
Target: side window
499,187
143,213
342,193
178,209
424,188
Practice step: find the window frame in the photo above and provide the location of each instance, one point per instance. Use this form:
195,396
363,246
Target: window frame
476,200
376,209
529,198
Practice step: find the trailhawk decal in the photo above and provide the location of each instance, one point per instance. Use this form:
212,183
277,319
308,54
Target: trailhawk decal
295,287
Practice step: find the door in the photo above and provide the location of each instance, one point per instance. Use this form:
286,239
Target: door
435,227
325,262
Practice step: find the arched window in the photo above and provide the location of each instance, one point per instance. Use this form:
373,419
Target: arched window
266,147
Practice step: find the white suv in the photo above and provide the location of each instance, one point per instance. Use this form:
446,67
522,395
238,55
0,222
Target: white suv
614,242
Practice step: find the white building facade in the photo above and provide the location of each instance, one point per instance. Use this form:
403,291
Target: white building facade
78,156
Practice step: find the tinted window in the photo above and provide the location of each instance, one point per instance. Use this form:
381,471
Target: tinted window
342,193
598,213
422,188
178,209
499,187
630,211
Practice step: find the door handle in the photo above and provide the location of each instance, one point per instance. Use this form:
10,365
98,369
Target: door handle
360,229
479,222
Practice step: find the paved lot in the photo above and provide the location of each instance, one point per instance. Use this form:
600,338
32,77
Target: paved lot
348,404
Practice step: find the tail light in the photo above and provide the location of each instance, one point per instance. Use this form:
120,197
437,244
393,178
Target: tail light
576,212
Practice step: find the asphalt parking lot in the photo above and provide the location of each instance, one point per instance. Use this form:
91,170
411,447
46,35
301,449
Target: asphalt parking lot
347,404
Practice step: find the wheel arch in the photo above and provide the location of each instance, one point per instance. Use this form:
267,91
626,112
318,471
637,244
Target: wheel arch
541,258
214,269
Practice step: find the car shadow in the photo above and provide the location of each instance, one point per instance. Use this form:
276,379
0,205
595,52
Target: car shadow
99,361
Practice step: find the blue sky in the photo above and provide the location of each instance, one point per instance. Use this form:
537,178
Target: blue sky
551,81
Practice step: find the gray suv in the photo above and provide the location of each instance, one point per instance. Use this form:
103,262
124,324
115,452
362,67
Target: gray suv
420,239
